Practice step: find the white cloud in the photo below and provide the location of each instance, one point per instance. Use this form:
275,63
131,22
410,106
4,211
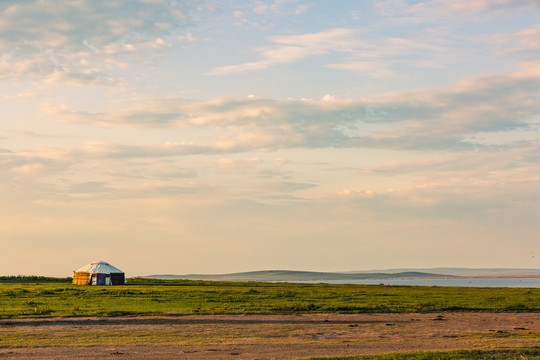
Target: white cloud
377,69
278,7
451,11
371,56
469,7
24,95
260,8
525,44
296,47
341,39
445,118
83,39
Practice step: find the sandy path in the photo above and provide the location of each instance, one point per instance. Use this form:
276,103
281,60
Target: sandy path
262,336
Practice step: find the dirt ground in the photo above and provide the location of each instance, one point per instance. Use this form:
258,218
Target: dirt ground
263,336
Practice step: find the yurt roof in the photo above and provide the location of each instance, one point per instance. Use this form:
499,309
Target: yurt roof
100,267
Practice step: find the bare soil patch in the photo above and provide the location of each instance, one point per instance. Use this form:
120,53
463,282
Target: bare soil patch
262,336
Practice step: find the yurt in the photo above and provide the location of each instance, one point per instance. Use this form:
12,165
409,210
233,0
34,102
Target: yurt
99,273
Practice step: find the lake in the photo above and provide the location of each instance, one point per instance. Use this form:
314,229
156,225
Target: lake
491,282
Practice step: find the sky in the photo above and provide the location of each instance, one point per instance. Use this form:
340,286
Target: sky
176,137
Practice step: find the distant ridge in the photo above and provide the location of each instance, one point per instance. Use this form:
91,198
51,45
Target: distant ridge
291,275
463,272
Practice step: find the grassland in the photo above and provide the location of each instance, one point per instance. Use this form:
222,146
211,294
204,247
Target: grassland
447,355
43,298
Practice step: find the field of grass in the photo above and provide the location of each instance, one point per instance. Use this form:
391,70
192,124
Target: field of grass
447,355
43,298
18,279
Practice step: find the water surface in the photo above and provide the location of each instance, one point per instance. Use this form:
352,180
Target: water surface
492,282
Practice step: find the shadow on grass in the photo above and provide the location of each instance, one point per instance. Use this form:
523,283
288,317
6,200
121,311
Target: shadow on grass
175,320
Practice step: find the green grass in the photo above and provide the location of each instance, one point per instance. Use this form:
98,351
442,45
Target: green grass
17,279
162,297
447,355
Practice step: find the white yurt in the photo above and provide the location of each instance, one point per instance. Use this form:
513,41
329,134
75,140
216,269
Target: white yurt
99,273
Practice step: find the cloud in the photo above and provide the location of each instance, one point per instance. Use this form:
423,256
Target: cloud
295,47
245,142
487,205
525,44
459,170
84,40
260,8
278,7
451,11
377,69
28,134
443,119
45,175
24,95
288,187
89,187
470,7
372,56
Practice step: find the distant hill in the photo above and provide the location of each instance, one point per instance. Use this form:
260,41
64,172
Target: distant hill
290,275
464,272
